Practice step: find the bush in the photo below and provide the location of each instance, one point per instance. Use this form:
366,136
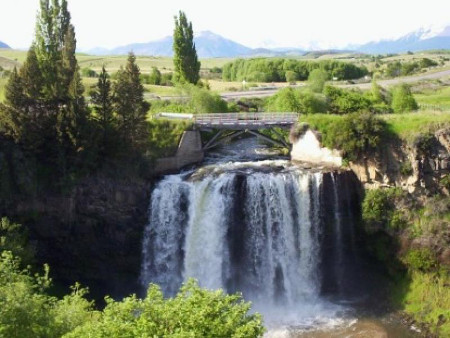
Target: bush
292,100
422,259
343,101
193,312
291,76
87,72
402,99
357,135
317,79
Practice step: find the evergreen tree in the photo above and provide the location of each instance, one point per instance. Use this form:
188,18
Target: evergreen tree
102,100
129,104
187,66
48,115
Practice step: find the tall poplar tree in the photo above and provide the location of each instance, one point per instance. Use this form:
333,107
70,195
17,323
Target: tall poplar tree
185,60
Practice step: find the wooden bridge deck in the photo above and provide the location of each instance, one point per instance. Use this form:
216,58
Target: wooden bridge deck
237,121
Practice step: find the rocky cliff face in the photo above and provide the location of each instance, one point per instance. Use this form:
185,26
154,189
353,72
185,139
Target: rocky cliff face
416,168
92,235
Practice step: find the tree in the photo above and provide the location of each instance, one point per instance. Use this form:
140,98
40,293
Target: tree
129,104
102,100
193,312
317,79
185,60
402,99
48,115
155,76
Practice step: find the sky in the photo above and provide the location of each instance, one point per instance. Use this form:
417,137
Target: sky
281,23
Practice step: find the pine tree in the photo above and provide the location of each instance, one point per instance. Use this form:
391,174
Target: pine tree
129,104
187,66
102,100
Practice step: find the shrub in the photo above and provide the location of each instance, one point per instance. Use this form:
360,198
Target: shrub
379,210
357,135
292,100
317,79
342,101
193,312
422,259
291,76
402,99
87,72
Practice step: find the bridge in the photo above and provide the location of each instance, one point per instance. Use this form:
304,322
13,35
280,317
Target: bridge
231,125
221,128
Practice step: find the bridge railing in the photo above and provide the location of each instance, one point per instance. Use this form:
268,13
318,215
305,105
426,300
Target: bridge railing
245,118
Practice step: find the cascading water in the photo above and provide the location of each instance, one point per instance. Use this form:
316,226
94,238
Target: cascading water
255,227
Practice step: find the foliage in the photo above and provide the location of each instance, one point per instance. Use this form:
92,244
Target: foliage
275,70
357,135
102,101
154,78
292,100
317,79
422,259
427,299
291,76
44,109
130,106
342,101
185,60
379,210
164,137
193,312
197,100
14,238
27,311
402,99
88,72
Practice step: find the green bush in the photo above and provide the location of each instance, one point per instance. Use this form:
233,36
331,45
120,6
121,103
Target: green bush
164,137
379,210
193,312
342,101
317,79
88,72
26,311
402,99
357,135
291,76
294,100
422,259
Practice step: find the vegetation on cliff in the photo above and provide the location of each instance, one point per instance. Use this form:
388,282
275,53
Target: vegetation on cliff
410,236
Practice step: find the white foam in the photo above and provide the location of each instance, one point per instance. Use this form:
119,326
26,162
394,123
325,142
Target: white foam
308,149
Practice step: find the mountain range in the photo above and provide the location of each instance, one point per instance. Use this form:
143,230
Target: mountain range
210,45
4,45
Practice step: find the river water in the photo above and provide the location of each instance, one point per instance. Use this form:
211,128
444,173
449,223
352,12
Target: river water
283,234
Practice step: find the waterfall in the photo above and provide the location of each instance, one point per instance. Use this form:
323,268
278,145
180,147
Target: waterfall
254,228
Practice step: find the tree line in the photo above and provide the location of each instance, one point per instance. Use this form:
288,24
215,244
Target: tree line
282,70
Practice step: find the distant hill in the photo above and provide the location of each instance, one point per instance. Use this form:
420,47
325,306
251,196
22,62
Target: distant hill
422,39
4,45
208,45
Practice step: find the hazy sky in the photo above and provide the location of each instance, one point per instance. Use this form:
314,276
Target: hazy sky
262,23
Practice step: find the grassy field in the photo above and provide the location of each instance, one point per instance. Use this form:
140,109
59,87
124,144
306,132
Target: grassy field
440,97
408,125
